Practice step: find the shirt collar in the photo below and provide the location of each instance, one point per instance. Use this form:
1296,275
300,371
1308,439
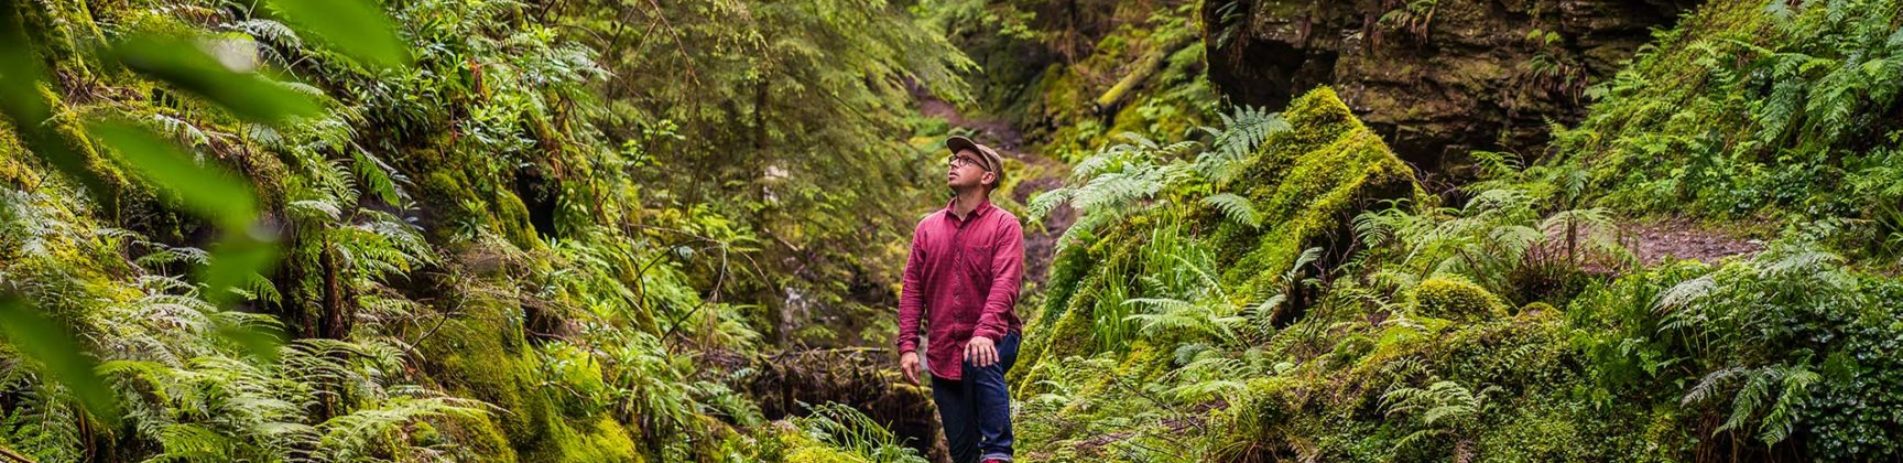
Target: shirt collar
983,207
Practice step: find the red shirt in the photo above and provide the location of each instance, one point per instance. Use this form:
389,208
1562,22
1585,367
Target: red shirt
964,275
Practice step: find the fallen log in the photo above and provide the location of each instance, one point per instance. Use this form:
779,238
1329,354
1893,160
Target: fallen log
1112,99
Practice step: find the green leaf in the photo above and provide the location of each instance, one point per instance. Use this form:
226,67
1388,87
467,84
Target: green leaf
52,346
236,259
212,192
233,262
356,28
183,62
260,342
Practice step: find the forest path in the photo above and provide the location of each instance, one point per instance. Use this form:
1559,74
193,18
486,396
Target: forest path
1654,240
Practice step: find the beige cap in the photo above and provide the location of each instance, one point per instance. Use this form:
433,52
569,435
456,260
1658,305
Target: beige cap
992,162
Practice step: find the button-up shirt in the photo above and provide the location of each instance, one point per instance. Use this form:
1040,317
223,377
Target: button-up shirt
963,275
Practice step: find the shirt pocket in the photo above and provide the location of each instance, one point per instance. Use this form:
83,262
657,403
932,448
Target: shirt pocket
977,255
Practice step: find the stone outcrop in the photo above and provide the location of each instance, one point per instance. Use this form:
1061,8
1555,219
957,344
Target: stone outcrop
1436,78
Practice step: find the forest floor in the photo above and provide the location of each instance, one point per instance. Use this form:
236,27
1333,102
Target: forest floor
1653,241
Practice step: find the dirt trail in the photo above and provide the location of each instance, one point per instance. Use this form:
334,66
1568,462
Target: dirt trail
1652,241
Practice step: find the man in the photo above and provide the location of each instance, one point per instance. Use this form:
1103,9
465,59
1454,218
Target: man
963,275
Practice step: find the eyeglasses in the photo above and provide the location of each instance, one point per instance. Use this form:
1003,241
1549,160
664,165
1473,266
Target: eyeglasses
960,161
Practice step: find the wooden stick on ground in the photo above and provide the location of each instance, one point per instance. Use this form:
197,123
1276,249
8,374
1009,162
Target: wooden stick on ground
11,456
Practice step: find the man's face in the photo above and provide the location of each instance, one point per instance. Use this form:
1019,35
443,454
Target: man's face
964,170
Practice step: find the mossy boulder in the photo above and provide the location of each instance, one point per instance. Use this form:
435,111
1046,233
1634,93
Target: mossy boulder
1455,299
1308,183
478,355
797,447
483,354
604,441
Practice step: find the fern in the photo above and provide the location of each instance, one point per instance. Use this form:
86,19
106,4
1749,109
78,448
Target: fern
1235,207
1242,132
1046,202
1768,395
1169,316
380,178
1443,408
855,432
363,435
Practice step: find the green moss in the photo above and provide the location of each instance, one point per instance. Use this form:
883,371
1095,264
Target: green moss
1538,308
513,217
1307,183
480,354
14,170
1455,299
1145,362
1069,336
794,446
484,437
1543,432
498,210
605,441
818,454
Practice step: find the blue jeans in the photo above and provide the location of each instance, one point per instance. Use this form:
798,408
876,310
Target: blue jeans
976,410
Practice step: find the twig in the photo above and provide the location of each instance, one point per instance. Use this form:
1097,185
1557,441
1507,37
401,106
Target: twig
12,456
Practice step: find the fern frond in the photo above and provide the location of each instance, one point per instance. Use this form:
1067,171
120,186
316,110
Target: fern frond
1235,207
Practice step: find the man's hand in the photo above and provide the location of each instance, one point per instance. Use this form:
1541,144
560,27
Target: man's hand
981,352
908,364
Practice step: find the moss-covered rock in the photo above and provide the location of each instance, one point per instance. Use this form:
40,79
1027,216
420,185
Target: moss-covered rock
1308,182
606,440
480,354
483,354
1456,299
1538,309
797,447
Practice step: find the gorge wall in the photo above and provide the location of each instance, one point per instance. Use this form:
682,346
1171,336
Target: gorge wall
1436,78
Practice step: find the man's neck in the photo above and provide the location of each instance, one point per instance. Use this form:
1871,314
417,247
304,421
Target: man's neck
963,202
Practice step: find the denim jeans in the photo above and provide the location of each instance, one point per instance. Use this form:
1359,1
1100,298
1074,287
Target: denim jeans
976,409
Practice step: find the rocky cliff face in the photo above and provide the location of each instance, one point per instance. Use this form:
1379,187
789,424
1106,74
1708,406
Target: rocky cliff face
1436,78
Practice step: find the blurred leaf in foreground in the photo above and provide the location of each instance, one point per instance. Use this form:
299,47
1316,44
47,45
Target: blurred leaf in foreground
184,62
234,260
356,28
58,355
210,191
